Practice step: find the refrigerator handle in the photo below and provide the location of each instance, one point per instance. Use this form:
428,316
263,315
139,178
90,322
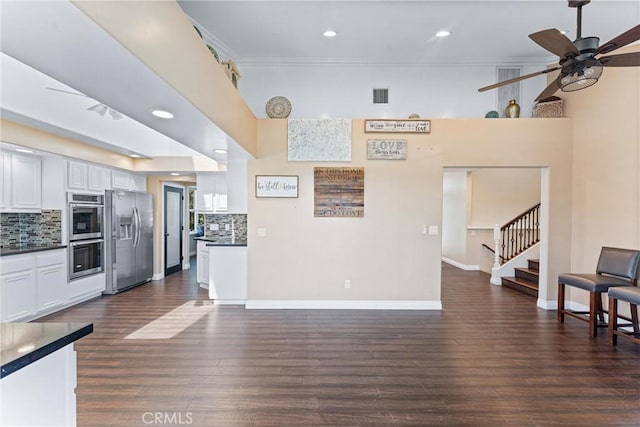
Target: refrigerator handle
138,226
135,227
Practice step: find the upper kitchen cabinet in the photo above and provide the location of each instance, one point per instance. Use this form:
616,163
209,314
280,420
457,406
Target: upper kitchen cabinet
22,180
5,173
121,180
138,182
211,193
84,177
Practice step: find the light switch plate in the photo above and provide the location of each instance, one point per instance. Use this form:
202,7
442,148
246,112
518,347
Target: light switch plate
262,232
433,230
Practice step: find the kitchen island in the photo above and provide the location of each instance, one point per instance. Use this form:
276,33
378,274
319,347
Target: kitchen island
222,269
38,373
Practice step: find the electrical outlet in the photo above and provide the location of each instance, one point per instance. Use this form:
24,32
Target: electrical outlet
214,227
227,227
347,284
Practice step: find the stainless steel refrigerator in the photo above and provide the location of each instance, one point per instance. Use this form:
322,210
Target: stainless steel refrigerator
128,239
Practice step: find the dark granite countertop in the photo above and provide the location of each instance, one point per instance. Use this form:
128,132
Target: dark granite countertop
23,343
24,249
215,242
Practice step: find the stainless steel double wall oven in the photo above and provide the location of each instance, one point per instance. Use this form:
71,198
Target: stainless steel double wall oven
86,234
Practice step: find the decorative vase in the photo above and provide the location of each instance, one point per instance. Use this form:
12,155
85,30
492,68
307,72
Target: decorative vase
513,110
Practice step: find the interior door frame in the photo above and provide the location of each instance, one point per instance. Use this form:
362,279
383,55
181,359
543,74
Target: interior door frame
180,191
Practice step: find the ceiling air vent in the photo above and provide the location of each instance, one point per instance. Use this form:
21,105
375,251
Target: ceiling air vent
381,96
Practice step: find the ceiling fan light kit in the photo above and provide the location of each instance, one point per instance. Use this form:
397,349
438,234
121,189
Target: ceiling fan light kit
579,64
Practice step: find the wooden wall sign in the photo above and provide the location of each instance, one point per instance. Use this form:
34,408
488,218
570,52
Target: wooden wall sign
338,192
398,126
386,149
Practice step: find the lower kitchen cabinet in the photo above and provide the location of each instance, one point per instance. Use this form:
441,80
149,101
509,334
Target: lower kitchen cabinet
203,264
18,292
35,284
51,281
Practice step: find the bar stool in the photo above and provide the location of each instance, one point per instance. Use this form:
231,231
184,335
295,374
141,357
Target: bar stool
632,296
616,267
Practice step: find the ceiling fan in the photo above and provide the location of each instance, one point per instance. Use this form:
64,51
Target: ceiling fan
580,63
99,108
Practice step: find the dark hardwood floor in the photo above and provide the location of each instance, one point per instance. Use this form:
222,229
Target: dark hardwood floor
489,358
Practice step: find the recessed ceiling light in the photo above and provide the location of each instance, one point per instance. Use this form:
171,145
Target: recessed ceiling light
23,150
162,114
329,33
443,33
135,156
220,151
175,174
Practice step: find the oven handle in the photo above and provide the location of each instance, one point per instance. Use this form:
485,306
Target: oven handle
85,242
85,205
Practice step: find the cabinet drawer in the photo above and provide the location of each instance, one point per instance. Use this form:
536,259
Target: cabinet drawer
17,263
50,258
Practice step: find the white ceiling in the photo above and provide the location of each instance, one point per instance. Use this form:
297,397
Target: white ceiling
399,31
64,49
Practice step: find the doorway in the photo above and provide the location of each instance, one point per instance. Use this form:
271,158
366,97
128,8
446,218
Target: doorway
173,229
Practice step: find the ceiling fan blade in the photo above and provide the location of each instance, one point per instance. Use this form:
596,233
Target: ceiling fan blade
555,42
622,40
67,91
621,60
517,79
549,91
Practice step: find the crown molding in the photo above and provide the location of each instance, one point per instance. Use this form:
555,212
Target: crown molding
224,51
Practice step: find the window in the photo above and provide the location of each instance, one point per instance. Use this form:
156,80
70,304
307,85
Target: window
195,218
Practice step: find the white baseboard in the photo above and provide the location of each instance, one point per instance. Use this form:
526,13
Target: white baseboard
186,266
229,301
495,280
547,304
157,276
461,265
343,305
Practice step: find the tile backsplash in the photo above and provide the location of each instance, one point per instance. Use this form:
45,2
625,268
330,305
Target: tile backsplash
237,224
41,228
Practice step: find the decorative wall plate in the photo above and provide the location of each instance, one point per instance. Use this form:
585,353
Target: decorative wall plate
278,107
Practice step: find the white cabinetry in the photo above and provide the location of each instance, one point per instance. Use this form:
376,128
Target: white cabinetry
5,174
203,264
25,177
120,180
17,288
98,179
138,182
35,284
81,176
51,281
76,176
223,270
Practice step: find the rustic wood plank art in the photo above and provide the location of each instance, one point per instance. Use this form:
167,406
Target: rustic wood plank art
338,192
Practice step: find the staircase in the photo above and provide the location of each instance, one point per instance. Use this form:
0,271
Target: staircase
525,279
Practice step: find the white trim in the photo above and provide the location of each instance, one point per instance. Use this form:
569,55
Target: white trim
343,305
461,265
157,276
186,265
229,301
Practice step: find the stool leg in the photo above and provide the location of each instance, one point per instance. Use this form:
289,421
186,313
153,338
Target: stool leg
600,308
634,318
613,321
593,324
560,302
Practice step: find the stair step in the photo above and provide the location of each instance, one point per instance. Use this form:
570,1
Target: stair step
534,264
524,286
527,274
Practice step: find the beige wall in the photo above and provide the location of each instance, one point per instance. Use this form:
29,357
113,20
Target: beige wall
499,195
606,172
384,254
